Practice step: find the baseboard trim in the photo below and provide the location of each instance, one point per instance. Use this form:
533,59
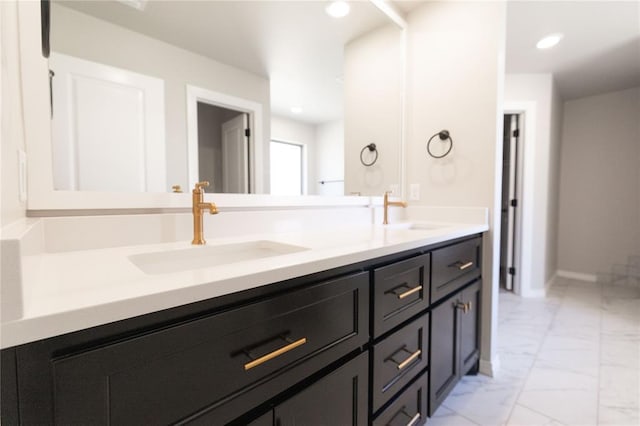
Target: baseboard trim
551,282
490,368
577,276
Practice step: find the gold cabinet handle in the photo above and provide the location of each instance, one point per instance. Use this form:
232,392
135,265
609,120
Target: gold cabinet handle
414,420
465,265
274,354
468,306
408,361
409,292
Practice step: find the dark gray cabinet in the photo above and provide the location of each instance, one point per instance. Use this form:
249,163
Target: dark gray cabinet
455,332
378,342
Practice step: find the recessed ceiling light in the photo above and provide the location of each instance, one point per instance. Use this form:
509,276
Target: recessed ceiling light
338,9
296,110
549,41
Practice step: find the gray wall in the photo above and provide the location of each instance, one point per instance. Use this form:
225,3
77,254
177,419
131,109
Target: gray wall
373,109
600,182
455,77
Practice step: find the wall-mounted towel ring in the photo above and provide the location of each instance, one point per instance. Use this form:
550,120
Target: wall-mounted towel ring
372,148
443,135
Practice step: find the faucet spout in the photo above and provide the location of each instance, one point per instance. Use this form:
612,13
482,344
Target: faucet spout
213,209
198,207
387,203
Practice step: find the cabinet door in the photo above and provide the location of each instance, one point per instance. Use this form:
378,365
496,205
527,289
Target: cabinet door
470,328
444,365
337,399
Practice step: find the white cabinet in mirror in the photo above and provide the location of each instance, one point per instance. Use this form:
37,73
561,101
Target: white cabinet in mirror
179,92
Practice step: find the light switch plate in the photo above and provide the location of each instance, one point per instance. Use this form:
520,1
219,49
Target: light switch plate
414,192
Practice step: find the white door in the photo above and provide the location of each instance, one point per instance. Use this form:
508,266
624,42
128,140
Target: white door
107,128
235,155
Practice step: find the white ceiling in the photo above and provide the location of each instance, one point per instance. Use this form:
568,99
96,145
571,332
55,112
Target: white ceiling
600,51
294,43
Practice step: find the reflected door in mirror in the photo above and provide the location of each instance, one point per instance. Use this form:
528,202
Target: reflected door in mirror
107,128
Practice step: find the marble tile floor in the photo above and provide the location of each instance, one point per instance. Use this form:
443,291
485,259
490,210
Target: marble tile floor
572,358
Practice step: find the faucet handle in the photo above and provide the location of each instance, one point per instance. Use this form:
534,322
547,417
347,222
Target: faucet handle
200,185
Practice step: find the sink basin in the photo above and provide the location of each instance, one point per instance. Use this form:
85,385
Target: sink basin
198,257
426,226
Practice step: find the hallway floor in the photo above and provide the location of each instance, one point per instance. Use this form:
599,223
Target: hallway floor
572,358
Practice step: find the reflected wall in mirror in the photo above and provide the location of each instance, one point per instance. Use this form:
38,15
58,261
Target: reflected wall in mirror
262,74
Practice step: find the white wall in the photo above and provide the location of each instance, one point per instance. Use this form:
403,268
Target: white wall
83,36
286,130
12,131
329,158
539,197
455,75
600,182
373,107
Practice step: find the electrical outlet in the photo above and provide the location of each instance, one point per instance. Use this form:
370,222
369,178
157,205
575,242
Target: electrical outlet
394,189
414,192
22,175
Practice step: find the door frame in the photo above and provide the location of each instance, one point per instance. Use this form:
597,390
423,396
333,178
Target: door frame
256,146
522,256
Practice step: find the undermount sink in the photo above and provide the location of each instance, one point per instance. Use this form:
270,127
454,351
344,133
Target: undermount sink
198,257
426,226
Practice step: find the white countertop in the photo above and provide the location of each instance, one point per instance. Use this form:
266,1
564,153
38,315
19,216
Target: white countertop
74,290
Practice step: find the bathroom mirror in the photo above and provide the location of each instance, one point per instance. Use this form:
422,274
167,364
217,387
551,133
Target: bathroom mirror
147,86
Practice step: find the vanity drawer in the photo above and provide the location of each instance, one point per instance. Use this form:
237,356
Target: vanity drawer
401,290
198,366
409,408
398,358
454,266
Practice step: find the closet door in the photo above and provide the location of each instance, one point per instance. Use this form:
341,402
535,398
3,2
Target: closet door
107,128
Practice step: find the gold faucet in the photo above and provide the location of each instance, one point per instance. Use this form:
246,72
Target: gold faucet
388,203
198,207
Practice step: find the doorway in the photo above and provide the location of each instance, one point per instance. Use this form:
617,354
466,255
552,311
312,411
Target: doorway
241,167
223,149
511,155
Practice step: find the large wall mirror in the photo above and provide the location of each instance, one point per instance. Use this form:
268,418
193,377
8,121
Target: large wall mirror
257,97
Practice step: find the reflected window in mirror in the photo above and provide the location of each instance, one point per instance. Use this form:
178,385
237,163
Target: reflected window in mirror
287,168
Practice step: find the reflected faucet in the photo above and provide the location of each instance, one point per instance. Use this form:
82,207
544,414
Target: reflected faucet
198,208
388,203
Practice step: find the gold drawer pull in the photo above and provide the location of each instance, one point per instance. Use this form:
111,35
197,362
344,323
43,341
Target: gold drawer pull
468,306
274,354
465,265
408,361
414,419
409,292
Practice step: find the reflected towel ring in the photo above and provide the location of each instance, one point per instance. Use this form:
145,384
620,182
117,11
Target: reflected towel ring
372,148
443,135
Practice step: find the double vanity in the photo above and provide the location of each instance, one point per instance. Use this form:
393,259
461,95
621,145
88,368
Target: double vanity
361,325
